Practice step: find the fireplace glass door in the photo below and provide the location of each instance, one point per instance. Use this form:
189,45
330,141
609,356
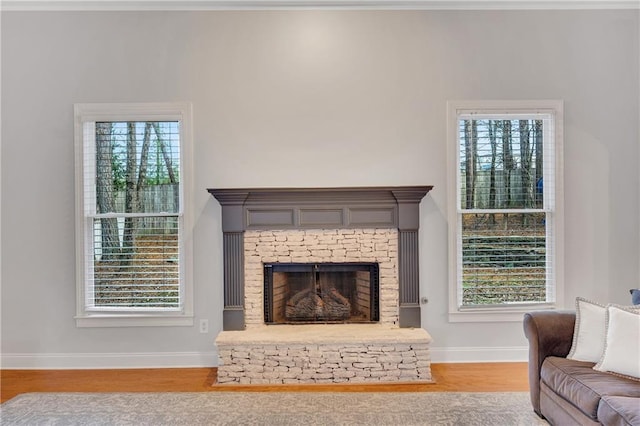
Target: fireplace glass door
321,293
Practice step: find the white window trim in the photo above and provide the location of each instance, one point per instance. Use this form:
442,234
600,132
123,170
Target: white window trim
494,313
173,111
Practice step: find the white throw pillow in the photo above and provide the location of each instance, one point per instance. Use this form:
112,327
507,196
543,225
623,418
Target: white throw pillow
622,347
589,332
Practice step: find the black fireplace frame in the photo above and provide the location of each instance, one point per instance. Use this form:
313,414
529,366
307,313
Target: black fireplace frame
315,267
320,208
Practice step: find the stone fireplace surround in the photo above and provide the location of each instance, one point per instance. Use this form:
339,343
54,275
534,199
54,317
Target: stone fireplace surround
285,225
321,246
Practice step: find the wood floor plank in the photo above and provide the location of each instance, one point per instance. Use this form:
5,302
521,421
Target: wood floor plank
472,377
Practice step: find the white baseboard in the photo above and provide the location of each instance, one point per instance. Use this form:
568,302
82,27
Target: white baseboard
80,361
480,354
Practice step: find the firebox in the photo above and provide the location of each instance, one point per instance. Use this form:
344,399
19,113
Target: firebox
321,293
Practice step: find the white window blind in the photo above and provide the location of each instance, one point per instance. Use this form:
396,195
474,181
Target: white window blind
133,222
504,228
133,210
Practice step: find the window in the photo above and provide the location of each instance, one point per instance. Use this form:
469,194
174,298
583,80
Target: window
132,213
505,206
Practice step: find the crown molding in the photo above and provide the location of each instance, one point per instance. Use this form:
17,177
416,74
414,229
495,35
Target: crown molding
195,5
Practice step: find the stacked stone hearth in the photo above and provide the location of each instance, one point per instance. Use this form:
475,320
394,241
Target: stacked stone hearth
290,226
336,353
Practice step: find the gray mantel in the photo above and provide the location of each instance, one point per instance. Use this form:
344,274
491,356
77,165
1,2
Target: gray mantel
320,208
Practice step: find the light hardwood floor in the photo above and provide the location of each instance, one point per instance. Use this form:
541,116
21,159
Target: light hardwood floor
471,377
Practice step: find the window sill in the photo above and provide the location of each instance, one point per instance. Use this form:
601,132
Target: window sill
501,314
103,320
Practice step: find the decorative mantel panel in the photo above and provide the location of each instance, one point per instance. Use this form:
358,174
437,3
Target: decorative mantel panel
320,208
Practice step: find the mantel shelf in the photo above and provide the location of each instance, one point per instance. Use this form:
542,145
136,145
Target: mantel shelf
338,195
326,208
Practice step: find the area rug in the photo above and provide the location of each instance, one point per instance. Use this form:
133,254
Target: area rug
271,408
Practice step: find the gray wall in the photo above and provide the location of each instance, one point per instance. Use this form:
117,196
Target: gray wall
307,98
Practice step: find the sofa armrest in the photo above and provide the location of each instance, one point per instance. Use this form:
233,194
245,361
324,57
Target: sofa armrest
550,333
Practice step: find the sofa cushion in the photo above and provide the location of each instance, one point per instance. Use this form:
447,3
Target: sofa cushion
590,331
619,411
578,383
558,411
622,348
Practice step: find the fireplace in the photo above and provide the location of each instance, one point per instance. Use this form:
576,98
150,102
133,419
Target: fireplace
311,293
312,225
321,285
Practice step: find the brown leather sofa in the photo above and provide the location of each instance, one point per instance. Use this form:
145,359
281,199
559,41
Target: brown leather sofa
567,392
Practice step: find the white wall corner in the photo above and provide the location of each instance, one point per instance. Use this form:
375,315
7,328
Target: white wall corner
85,361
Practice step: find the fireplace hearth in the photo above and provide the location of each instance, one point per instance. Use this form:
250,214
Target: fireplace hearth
312,293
